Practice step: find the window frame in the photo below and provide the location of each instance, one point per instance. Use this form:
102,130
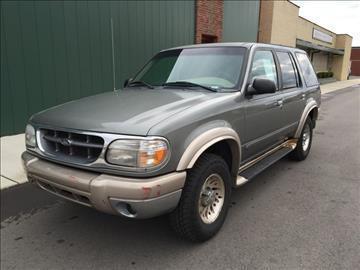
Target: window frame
302,72
241,77
297,70
276,66
295,67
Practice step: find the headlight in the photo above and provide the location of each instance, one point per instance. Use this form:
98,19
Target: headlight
138,153
30,136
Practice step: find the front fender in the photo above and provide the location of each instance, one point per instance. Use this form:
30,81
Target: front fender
204,140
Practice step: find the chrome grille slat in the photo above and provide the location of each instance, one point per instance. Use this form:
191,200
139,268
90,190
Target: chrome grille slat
71,150
71,146
56,144
58,140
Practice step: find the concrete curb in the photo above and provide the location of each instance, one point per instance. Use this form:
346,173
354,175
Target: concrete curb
6,183
12,172
330,87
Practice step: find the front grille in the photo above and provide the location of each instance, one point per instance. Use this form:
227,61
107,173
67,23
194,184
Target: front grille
70,146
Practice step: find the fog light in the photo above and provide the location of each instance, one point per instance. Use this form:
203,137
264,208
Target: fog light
124,209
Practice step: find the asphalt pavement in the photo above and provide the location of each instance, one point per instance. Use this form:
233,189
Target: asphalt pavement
295,215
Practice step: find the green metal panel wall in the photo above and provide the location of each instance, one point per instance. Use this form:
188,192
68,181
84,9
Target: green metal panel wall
241,21
56,51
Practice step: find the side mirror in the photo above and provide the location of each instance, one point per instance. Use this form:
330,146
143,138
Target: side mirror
261,86
126,82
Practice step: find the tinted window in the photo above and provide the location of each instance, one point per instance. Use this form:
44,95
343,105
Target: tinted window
263,66
218,67
307,69
287,70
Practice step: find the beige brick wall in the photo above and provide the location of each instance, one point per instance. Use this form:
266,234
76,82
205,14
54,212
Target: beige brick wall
280,23
304,31
285,16
341,63
265,21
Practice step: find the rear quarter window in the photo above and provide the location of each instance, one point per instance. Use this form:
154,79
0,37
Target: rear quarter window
307,69
288,72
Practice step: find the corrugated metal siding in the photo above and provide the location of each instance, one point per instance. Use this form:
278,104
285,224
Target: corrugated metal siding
56,51
241,21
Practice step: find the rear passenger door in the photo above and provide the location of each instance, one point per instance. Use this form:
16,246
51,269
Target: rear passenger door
292,92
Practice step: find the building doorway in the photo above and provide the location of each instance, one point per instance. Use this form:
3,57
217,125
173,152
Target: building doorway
208,38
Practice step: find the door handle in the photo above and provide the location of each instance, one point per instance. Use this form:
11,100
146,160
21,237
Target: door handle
279,103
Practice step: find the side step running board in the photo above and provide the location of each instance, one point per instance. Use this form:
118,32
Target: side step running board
241,180
256,166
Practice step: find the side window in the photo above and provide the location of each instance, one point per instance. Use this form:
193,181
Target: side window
287,70
307,69
263,66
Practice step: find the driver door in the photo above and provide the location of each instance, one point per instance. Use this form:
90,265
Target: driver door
263,123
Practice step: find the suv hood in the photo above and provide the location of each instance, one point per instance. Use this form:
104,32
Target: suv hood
129,111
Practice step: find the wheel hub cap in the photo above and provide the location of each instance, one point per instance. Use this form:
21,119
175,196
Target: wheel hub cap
211,198
208,197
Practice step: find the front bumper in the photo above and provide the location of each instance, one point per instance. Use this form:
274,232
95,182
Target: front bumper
130,197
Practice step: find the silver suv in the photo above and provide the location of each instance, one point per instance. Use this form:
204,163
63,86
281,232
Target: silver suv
191,125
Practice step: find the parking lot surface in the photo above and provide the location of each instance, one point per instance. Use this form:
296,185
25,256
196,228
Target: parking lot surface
295,215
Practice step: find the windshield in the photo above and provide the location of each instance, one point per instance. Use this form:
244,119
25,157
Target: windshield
218,67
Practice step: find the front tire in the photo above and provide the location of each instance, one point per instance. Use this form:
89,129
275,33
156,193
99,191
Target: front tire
304,143
204,201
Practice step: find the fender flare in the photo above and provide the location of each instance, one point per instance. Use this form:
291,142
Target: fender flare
308,108
202,142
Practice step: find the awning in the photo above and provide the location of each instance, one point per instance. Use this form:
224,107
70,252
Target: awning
308,45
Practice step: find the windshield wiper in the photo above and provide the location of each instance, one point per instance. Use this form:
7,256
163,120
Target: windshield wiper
189,84
133,83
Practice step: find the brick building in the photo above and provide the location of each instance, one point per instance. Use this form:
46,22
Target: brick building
329,52
355,61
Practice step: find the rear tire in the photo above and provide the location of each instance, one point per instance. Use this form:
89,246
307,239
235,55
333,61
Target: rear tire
304,143
204,201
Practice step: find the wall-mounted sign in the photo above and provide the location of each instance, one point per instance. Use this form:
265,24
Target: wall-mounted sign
322,36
